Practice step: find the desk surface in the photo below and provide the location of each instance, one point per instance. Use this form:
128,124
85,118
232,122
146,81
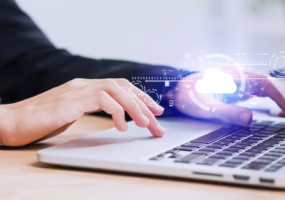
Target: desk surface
22,177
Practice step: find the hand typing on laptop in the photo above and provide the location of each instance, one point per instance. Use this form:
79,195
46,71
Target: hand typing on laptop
228,113
52,112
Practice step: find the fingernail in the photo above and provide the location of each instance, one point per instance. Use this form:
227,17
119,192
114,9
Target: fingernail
162,130
245,118
125,126
160,108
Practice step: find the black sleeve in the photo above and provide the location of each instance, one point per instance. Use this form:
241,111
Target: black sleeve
30,63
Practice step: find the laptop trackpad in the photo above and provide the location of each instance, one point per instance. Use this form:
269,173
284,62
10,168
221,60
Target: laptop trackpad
114,144
112,148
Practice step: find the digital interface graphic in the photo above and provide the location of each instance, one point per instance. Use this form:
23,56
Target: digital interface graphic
216,81
209,80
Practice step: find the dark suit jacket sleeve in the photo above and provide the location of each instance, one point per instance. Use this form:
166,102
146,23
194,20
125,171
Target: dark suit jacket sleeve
31,64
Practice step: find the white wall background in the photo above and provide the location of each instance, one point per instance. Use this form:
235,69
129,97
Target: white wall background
160,31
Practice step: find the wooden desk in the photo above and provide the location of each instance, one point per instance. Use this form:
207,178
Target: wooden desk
22,177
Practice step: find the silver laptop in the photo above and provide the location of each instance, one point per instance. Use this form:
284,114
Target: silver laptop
190,149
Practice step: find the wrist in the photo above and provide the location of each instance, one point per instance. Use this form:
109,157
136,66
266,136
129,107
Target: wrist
6,125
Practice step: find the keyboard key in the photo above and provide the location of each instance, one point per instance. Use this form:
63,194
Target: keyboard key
281,151
257,125
279,137
222,155
235,161
262,161
250,140
245,146
270,154
268,158
221,143
265,144
208,149
254,166
278,126
173,151
272,129
265,123
271,169
232,153
233,135
175,156
228,165
229,140
255,150
203,152
186,148
280,148
242,137
189,158
219,157
200,153
217,146
271,145
157,158
232,149
210,137
208,161
236,127
225,153
266,147
281,162
257,139
242,158
252,130
244,133
269,133
273,139
264,134
268,143
245,142
283,135
239,146
277,165
249,154
197,145
259,147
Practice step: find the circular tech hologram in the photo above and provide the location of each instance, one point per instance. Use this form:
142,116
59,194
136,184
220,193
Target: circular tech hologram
143,94
216,61
275,61
138,84
154,95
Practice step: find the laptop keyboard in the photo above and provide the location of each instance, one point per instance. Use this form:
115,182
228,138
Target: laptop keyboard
261,146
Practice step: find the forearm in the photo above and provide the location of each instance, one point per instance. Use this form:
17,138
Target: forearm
30,64
51,68
6,125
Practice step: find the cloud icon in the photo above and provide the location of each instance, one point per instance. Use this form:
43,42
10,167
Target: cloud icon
216,81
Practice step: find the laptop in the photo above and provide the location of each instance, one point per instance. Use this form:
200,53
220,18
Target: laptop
190,149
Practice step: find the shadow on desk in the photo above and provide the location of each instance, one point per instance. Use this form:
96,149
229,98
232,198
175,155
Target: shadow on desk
34,147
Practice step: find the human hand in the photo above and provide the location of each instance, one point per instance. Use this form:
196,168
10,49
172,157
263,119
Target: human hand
225,112
51,112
